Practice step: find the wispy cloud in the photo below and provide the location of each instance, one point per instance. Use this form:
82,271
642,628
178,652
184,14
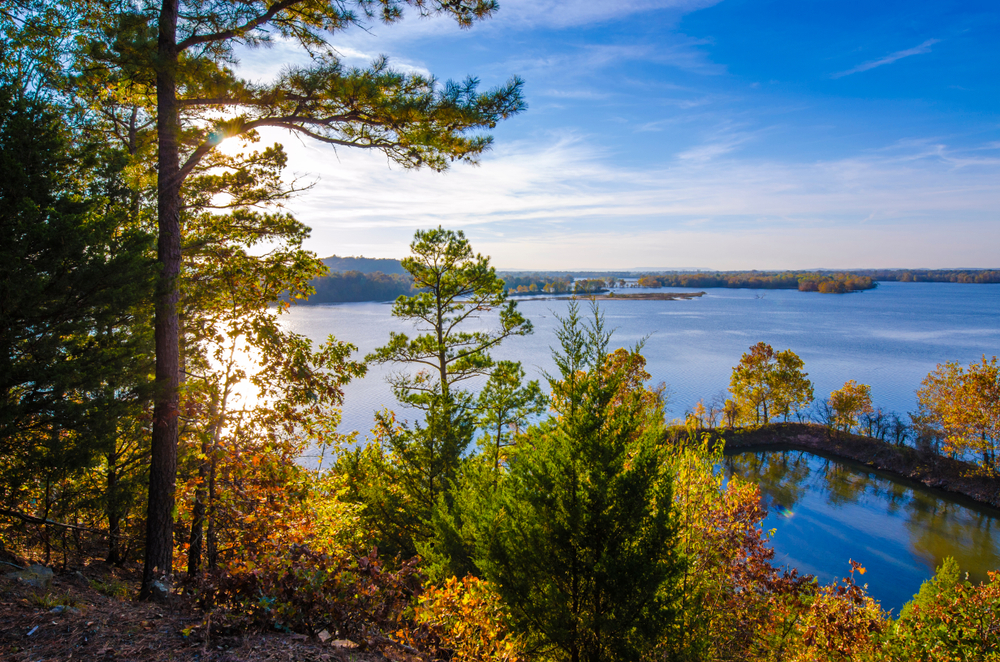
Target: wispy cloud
889,59
723,141
565,13
681,52
534,200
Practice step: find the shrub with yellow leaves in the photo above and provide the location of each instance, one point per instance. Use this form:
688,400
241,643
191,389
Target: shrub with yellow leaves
463,620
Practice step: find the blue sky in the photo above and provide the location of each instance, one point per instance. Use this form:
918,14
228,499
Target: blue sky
692,134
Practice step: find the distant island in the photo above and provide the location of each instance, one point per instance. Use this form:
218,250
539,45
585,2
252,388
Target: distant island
827,283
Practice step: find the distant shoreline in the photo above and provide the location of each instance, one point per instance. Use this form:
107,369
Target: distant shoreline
928,469
611,296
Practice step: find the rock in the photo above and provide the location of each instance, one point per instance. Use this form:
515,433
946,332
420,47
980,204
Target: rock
343,643
36,576
159,590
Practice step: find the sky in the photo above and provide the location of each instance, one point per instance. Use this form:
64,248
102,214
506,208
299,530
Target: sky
689,134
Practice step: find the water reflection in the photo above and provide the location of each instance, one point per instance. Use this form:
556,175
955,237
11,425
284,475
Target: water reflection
826,512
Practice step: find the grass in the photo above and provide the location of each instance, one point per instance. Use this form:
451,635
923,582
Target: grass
49,600
113,588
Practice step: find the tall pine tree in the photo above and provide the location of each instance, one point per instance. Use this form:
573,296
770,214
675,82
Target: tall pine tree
182,54
583,537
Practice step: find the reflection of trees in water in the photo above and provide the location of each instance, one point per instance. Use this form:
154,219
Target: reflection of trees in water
940,528
780,475
843,486
846,485
937,527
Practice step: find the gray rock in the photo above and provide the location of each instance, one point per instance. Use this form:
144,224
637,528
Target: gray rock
37,576
159,589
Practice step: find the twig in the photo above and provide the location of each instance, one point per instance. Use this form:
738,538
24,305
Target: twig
31,519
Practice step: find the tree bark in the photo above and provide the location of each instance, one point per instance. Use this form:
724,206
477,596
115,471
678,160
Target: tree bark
163,461
113,510
212,536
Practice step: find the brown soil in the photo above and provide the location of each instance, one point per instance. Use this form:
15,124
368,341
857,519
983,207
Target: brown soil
99,627
929,469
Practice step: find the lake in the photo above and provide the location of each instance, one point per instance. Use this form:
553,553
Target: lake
889,338
825,512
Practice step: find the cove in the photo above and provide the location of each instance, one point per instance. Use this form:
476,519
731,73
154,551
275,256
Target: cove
826,511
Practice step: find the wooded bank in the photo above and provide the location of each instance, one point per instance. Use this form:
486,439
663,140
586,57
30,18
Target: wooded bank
927,468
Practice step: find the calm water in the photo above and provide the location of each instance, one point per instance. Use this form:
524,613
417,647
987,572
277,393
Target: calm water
889,338
825,512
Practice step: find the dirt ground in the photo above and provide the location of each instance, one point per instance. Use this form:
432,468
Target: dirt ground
89,613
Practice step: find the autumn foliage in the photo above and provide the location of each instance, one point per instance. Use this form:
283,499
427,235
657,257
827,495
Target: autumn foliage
849,403
466,621
963,406
766,384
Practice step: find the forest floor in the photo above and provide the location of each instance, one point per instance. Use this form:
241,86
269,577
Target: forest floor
89,613
929,469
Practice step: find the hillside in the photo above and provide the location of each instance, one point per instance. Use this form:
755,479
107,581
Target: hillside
366,265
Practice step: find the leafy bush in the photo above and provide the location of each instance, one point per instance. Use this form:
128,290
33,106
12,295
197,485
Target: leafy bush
949,619
465,621
301,590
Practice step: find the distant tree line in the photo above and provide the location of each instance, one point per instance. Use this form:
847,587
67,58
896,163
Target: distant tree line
366,265
934,275
548,283
378,279
346,286
836,283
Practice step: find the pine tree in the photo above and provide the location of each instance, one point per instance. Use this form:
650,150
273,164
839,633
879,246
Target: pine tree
456,286
74,287
181,53
583,536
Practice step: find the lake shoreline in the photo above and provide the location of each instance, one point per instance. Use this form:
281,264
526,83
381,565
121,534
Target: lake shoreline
928,469
611,296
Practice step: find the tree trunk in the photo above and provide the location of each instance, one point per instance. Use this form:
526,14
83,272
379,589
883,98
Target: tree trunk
212,537
198,519
113,514
163,461
199,511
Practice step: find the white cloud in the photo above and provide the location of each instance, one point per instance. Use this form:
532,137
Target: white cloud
266,63
565,13
723,142
563,204
889,59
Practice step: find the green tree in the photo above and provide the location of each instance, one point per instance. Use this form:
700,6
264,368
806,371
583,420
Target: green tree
505,406
181,53
582,536
950,618
457,287
74,280
766,384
